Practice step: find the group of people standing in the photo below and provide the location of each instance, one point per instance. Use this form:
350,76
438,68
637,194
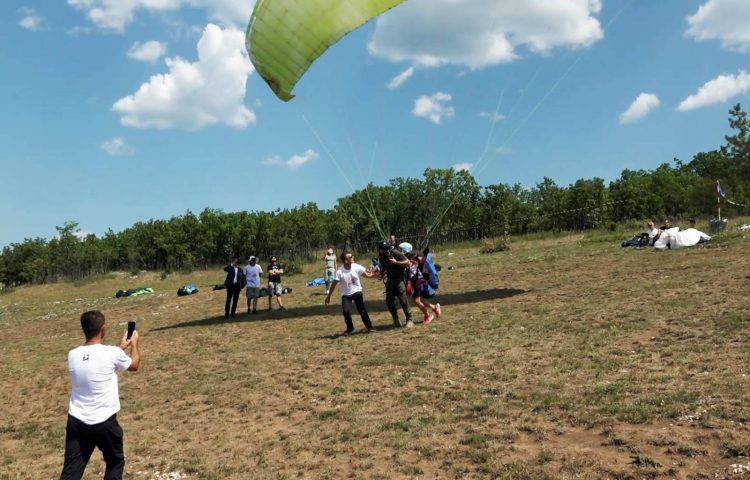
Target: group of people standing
249,278
402,272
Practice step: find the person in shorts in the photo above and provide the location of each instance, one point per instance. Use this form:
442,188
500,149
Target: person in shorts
252,291
329,268
416,277
274,282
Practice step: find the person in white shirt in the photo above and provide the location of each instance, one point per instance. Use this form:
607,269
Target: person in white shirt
253,273
651,231
95,399
349,275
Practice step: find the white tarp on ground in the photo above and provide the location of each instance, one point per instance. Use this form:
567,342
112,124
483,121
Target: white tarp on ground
674,238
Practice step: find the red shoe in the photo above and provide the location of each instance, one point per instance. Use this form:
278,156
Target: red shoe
436,309
428,317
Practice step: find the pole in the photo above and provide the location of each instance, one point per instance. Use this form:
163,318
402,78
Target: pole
718,198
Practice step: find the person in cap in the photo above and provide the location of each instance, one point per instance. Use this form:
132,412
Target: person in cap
253,272
393,265
275,271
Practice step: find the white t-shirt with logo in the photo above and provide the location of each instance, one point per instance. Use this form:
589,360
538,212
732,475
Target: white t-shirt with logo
93,373
350,280
252,273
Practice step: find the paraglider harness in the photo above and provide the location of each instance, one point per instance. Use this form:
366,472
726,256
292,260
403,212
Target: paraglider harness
425,274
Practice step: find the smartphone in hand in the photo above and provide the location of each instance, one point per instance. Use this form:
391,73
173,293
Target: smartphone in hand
131,329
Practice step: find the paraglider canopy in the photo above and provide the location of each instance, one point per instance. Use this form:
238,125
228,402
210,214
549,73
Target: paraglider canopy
284,37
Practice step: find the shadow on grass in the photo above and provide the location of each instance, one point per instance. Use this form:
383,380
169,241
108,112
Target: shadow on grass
375,304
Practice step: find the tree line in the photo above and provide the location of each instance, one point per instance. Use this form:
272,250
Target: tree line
443,205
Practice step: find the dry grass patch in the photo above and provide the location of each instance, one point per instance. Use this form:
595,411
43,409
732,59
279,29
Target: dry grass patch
565,357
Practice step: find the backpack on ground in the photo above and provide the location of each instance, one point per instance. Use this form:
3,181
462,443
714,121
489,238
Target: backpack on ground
187,290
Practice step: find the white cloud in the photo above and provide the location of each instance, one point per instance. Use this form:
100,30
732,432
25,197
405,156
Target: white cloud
82,234
195,95
293,162
495,117
117,147
503,150
479,33
117,14
724,20
434,107
462,166
77,30
399,79
718,90
640,107
150,51
30,20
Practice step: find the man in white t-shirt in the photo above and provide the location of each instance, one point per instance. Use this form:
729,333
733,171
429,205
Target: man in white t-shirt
349,275
95,399
253,273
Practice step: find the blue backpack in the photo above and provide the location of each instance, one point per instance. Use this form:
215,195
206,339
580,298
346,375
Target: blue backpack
430,270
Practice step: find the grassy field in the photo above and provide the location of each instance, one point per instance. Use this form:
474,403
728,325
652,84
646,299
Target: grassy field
564,357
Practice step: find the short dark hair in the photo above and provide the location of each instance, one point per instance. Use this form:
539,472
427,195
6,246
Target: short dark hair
344,254
92,323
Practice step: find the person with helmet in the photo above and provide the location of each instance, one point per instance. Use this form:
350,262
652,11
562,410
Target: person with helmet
393,265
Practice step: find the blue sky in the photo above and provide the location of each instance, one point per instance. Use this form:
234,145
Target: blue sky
118,111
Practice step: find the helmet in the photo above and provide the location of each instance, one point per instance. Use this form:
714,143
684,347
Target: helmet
383,246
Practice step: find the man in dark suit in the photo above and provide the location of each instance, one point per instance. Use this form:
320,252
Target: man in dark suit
234,282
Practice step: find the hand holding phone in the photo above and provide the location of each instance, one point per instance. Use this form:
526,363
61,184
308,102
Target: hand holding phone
131,329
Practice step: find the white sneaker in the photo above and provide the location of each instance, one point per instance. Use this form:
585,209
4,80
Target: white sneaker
409,324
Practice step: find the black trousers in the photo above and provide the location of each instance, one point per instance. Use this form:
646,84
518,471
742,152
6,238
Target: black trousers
233,296
346,305
80,441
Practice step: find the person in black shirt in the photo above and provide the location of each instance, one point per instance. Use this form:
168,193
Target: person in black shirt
274,282
393,265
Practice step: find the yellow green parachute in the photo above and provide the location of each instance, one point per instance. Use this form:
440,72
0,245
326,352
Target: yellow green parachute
285,37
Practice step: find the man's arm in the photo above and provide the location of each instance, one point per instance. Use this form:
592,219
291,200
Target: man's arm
135,354
330,291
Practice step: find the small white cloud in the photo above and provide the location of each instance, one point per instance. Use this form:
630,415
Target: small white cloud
77,30
117,147
718,90
150,51
30,20
399,79
640,107
723,20
495,117
434,107
462,166
195,95
503,151
82,234
293,162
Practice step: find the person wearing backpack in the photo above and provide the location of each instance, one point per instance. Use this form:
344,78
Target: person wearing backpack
393,264
419,287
